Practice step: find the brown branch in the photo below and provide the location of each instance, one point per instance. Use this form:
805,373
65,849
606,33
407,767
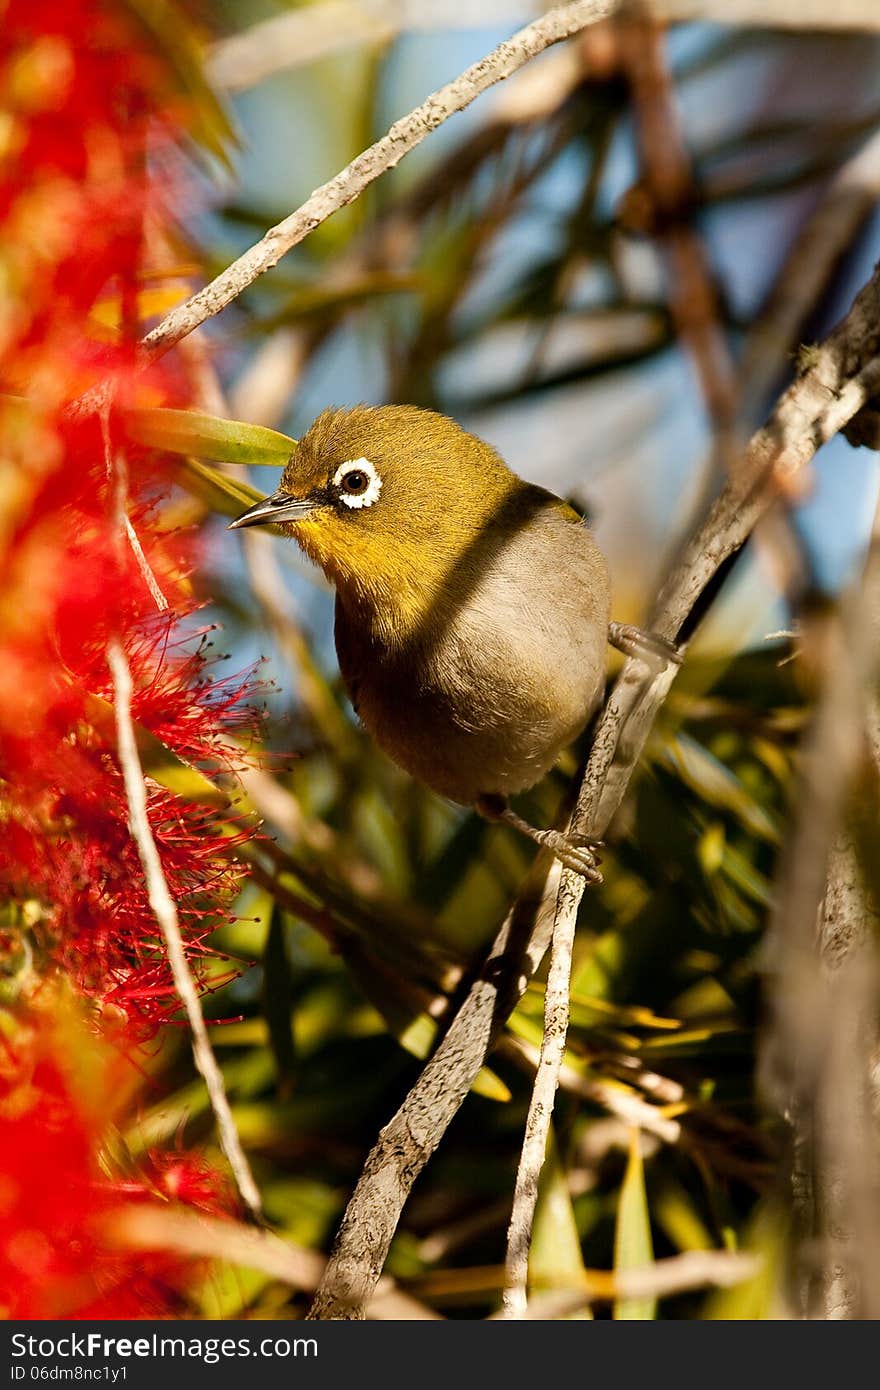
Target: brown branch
663,204
695,1269
538,1121
818,1050
556,1003
846,1184
822,241
823,398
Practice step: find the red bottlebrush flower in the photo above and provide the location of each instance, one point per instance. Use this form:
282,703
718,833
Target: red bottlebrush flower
59,1093
82,89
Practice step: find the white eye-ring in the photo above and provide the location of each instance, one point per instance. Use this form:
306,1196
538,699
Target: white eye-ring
358,482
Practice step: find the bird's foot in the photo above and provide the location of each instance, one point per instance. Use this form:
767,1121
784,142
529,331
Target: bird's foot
635,641
573,850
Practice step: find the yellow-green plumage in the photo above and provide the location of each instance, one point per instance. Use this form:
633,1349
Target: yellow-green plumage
472,607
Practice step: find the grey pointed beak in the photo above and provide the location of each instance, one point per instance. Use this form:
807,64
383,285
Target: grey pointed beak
281,506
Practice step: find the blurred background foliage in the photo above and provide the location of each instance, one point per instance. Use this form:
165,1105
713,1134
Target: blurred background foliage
592,268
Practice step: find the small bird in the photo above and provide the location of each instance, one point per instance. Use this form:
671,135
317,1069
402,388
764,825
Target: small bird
472,608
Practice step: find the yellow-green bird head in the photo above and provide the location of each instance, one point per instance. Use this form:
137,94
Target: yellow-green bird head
389,501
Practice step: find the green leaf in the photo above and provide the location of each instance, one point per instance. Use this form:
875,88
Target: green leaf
555,1260
710,850
209,437
171,32
633,1248
717,785
278,999
225,495
675,1210
759,1298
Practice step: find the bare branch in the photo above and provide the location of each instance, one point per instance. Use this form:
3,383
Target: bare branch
210,1237
592,814
617,1100
297,37
825,237
663,203
117,478
845,15
385,154
846,1180
552,1054
165,911
556,1016
818,1050
842,375
695,1269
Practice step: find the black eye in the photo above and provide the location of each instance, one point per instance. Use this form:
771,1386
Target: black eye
355,482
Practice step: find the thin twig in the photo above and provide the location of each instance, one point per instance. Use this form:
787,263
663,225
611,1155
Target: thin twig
556,1017
117,478
667,184
531,1159
821,242
617,1100
297,37
695,1269
385,154
215,1238
158,892
165,911
779,452
839,380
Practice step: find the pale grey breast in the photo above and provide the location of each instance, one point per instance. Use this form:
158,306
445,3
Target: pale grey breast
502,679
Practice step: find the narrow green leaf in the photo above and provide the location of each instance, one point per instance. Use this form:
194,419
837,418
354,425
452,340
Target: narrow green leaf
227,1291
633,1248
676,1211
717,785
278,999
758,1299
170,30
710,850
555,1260
225,495
209,437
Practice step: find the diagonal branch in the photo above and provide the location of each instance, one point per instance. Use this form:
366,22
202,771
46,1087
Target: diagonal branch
301,36
843,374
385,154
